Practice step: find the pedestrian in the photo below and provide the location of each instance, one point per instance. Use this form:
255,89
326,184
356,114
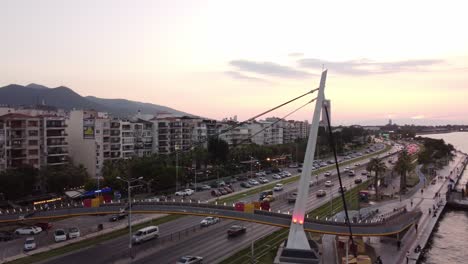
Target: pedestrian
430,211
422,191
416,227
411,202
407,257
398,244
378,260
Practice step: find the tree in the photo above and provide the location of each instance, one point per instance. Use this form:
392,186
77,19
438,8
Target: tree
58,178
17,183
402,167
378,166
218,150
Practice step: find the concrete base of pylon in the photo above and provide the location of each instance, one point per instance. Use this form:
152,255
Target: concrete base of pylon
298,256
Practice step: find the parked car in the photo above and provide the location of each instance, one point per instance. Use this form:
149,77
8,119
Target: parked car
189,191
206,187
342,189
60,235
328,184
293,165
299,170
180,193
269,198
265,194
292,197
287,173
276,176
44,225
29,244
276,170
347,169
278,187
263,180
73,232
357,164
190,260
228,189
245,185
232,180
30,230
364,173
253,182
145,234
358,180
321,193
6,236
236,230
216,193
222,191
327,174
117,217
209,221
351,173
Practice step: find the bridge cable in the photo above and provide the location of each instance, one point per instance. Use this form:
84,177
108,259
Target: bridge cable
275,122
332,143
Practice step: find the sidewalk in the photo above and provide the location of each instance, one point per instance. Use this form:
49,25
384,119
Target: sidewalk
386,247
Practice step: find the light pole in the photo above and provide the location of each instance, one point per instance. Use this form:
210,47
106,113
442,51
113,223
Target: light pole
129,182
177,167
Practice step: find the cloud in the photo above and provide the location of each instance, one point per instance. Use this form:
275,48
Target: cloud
368,67
240,76
270,69
296,54
418,117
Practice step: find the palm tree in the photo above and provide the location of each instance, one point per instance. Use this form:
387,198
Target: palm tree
403,166
378,166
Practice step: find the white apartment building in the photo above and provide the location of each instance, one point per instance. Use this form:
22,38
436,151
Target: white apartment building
236,136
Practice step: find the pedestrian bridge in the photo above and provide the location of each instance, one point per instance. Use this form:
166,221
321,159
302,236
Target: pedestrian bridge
385,226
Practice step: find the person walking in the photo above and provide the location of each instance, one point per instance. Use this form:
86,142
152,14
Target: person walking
407,257
416,227
411,202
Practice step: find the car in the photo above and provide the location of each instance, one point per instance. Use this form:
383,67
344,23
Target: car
287,173
241,178
60,235
222,191
117,217
269,198
73,232
358,180
30,230
323,164
253,182
189,191
347,169
292,197
206,187
29,244
190,260
276,170
328,184
245,185
145,234
299,170
351,173
232,180
312,183
342,189
276,176
260,174
330,161
364,173
220,184
265,194
180,193
321,193
327,174
278,187
209,221
236,230
216,193
293,165
6,236
44,225
228,189
357,164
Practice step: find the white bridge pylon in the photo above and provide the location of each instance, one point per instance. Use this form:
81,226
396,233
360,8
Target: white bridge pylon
297,238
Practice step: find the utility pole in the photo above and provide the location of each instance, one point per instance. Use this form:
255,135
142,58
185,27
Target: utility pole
177,167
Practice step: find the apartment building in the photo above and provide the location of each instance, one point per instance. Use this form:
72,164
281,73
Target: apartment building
32,140
171,133
236,136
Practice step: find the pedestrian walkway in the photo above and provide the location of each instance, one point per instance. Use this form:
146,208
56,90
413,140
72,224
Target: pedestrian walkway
433,195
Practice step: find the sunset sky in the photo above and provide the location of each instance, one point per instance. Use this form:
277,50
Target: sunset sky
405,60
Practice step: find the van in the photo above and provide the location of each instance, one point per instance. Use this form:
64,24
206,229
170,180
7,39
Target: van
145,234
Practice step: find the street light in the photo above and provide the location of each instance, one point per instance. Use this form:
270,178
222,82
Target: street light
129,182
176,147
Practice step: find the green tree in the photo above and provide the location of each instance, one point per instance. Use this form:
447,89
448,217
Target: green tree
18,183
378,166
402,167
59,178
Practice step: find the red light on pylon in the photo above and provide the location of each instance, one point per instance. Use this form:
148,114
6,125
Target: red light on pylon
294,220
301,222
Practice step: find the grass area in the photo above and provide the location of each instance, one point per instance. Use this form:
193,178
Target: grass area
266,247
270,240
90,242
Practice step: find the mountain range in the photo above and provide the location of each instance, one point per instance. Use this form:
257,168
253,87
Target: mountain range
65,98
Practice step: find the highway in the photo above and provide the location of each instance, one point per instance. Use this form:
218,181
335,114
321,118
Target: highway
211,243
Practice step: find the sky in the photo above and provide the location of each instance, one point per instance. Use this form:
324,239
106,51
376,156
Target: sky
404,60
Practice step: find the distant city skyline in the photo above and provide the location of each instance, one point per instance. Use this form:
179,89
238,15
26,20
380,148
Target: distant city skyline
403,60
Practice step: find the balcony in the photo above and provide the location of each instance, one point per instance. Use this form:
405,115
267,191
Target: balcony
56,124
56,134
56,143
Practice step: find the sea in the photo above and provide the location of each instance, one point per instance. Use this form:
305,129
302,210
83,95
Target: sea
449,242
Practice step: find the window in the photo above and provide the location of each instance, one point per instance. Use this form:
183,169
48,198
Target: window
33,142
33,152
33,133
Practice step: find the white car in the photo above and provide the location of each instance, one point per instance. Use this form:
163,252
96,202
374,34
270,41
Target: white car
276,176
328,184
209,221
278,187
180,193
60,235
189,191
263,180
327,174
253,182
29,244
347,169
190,260
74,232
287,173
30,230
206,187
